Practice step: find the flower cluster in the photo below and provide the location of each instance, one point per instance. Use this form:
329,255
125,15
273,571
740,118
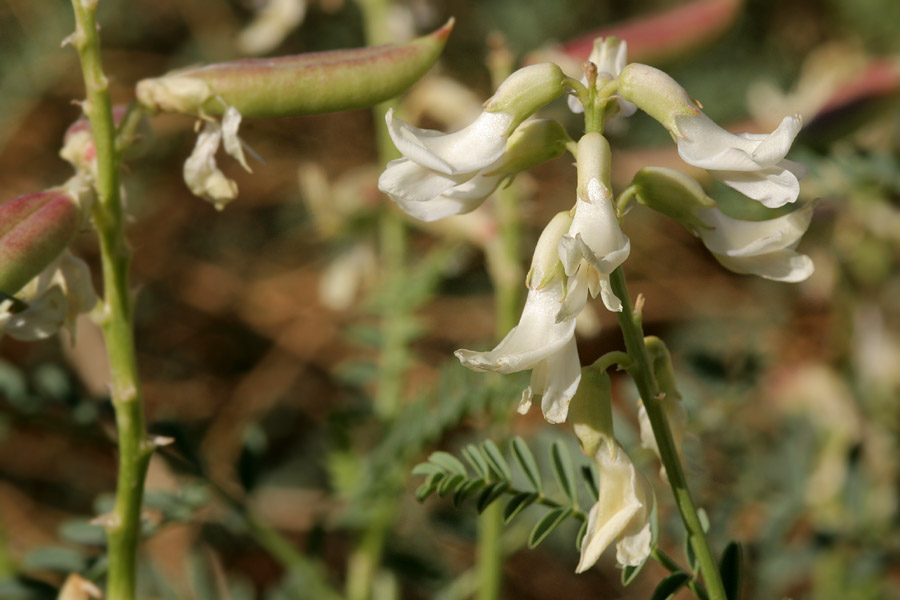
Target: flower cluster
441,175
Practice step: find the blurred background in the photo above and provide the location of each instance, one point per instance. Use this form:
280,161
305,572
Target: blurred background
298,345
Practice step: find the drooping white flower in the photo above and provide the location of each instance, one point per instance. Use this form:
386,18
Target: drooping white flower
201,173
443,174
610,55
594,246
429,195
540,342
54,298
753,164
622,511
763,248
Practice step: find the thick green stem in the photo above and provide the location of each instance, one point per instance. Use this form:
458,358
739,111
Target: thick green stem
642,372
124,524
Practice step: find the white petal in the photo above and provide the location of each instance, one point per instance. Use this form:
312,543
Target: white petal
408,182
734,237
617,506
79,289
704,144
535,338
787,265
231,121
776,145
634,547
201,173
469,149
771,186
43,317
562,379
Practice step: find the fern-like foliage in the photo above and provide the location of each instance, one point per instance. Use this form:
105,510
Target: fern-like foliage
489,478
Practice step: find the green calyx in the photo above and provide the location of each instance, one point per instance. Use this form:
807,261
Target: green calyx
657,94
671,193
590,411
527,90
296,85
534,142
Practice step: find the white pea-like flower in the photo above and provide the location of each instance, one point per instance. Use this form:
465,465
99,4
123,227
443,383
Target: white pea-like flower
594,246
201,172
54,298
753,164
540,342
621,513
763,248
443,174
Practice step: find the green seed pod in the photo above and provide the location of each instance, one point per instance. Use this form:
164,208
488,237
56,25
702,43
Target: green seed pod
296,85
34,230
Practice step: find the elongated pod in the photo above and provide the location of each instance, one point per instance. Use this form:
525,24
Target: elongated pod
296,85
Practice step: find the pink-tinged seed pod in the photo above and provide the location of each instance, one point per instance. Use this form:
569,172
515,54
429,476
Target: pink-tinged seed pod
296,85
34,230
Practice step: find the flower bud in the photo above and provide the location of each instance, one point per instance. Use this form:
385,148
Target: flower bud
34,230
527,90
296,85
672,193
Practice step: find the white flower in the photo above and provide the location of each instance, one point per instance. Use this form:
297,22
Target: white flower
54,298
594,245
763,248
444,174
753,164
622,511
610,55
201,173
540,342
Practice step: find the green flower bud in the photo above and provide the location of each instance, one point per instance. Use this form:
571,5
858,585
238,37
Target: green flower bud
673,194
34,230
296,85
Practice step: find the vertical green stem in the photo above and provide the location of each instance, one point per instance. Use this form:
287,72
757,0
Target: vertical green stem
123,525
392,242
642,372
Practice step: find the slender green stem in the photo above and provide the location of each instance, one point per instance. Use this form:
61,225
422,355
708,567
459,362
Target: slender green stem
630,322
124,524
